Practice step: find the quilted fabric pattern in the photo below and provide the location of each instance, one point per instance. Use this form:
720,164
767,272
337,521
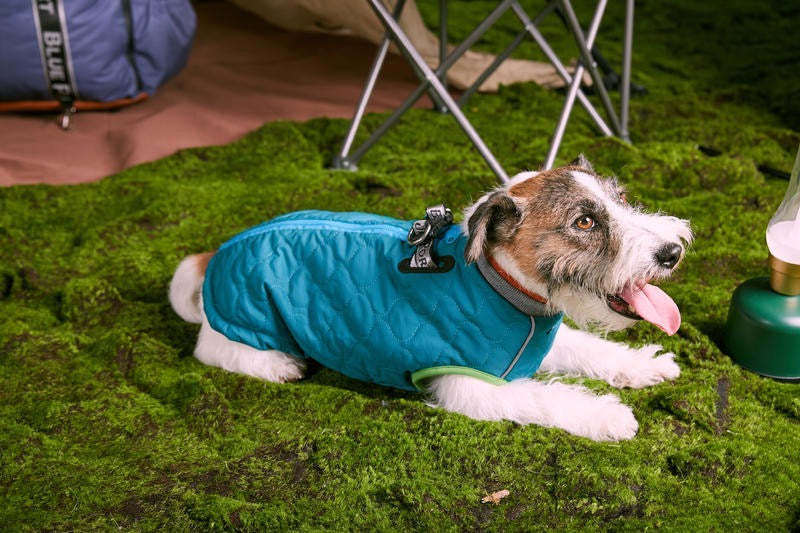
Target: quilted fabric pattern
326,286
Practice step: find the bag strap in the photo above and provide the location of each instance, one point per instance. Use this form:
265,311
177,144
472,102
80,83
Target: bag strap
51,26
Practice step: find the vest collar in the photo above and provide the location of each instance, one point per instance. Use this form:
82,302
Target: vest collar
525,301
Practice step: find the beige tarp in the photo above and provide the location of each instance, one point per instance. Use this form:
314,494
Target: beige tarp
355,18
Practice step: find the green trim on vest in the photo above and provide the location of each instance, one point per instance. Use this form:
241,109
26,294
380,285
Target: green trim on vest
449,370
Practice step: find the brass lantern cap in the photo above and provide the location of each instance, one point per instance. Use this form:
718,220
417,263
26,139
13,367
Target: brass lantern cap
784,278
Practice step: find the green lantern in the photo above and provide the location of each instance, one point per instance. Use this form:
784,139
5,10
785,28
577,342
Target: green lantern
763,329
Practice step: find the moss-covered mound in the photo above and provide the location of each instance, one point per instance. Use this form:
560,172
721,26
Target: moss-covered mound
106,421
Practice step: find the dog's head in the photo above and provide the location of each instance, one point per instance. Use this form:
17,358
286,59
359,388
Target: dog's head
570,236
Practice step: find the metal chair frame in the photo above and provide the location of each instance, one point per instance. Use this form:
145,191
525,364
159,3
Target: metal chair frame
433,81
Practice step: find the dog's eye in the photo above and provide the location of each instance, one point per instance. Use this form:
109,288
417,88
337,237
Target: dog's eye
585,222
623,198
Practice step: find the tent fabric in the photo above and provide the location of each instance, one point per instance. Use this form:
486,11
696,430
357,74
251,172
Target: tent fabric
116,50
241,73
355,18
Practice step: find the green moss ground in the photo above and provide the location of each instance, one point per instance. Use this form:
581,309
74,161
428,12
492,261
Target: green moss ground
106,421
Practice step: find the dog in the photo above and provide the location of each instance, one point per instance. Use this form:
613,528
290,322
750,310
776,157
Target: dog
470,324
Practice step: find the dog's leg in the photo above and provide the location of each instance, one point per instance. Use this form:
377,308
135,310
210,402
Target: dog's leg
578,353
215,349
525,401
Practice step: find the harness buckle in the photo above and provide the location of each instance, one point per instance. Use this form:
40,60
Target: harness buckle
422,234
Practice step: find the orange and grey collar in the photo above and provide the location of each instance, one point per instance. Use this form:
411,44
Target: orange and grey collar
530,303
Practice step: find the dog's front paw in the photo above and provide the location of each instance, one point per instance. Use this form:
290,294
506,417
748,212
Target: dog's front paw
600,418
644,368
608,419
580,412
617,424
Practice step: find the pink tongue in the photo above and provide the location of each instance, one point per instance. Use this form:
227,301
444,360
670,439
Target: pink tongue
655,306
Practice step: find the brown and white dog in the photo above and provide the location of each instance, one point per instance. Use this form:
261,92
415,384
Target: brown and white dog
566,235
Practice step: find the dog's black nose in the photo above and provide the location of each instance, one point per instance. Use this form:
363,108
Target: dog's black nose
669,255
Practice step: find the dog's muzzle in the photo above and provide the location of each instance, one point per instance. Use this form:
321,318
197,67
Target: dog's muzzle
669,255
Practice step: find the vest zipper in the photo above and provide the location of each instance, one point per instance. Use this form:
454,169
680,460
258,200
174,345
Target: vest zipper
332,225
520,351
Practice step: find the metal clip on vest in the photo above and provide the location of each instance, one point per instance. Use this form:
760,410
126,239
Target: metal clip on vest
423,233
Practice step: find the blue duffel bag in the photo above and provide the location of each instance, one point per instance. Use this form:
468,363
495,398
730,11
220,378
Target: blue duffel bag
91,53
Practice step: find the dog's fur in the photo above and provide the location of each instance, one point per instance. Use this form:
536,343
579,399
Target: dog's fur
530,228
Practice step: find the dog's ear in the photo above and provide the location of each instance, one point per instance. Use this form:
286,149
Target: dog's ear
493,220
582,162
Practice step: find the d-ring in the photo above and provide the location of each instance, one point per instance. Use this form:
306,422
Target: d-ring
412,239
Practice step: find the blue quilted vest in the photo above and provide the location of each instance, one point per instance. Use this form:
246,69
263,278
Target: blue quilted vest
327,286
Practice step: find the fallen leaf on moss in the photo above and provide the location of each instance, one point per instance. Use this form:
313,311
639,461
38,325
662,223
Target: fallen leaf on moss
495,497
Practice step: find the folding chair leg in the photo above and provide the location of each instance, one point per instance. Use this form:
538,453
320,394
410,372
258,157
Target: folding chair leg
442,49
498,60
341,160
627,53
381,130
403,41
534,32
588,62
574,88
434,81
430,81
505,54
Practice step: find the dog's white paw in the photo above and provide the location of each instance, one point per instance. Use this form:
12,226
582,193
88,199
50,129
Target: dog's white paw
605,418
290,370
617,422
578,411
274,366
643,368
572,408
